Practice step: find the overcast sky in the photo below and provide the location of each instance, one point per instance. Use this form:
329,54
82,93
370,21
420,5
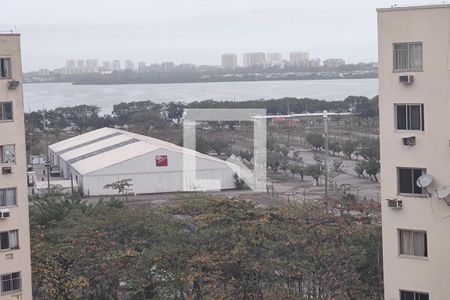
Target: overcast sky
196,31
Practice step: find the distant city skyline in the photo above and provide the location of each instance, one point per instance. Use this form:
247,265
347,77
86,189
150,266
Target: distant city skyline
226,60
197,32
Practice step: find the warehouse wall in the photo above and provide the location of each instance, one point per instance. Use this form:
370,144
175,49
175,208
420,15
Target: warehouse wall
149,178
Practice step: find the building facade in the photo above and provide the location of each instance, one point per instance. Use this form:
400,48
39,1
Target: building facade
254,59
15,265
274,59
104,156
414,102
229,61
333,63
298,58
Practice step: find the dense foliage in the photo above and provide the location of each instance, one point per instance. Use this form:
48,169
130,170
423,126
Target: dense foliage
206,248
146,115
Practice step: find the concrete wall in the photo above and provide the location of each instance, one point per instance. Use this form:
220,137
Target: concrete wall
14,133
432,88
148,178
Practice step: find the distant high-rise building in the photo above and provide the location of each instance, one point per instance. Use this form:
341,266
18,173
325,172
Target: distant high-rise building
167,66
71,66
129,65
229,61
298,58
333,63
116,65
155,67
142,67
254,59
274,58
91,65
80,66
15,265
187,67
106,66
314,63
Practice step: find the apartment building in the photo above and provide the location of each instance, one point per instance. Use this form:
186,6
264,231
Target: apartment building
298,58
274,59
15,269
414,91
254,59
229,61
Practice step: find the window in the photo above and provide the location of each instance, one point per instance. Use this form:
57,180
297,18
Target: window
5,68
6,113
7,154
407,180
8,197
413,243
410,117
9,240
408,295
408,57
11,283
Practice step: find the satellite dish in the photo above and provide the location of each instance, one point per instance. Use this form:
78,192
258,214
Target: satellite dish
424,181
442,193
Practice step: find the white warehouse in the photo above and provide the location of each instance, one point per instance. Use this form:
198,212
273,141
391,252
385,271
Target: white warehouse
104,156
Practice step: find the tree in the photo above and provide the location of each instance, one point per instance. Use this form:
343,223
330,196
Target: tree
122,187
348,148
174,111
246,155
337,165
359,168
316,140
334,147
210,248
372,167
145,121
315,171
276,161
218,145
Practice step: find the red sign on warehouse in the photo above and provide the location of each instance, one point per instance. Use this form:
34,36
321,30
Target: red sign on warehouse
161,160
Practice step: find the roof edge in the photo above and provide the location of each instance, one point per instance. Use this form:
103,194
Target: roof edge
413,7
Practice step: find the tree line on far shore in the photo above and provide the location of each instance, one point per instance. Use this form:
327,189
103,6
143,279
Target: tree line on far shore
152,115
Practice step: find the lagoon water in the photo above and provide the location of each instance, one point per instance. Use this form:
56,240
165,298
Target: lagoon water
52,95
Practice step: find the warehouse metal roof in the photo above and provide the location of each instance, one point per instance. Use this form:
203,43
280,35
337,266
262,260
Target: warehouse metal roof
104,147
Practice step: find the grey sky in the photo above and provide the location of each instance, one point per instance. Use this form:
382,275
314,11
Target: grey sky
196,31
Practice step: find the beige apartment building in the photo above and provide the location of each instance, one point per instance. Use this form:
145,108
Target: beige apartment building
414,87
15,266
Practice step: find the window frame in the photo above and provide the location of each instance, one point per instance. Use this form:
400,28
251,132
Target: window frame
2,109
9,69
10,232
416,293
408,117
11,283
408,69
15,197
415,256
2,155
422,194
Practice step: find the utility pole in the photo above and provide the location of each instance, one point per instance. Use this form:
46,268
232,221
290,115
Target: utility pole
325,125
47,159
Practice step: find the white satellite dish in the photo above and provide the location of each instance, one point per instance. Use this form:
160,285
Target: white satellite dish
424,181
443,193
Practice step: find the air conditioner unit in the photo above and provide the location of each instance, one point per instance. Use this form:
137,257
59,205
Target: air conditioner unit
4,214
13,84
406,79
409,141
6,170
395,203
